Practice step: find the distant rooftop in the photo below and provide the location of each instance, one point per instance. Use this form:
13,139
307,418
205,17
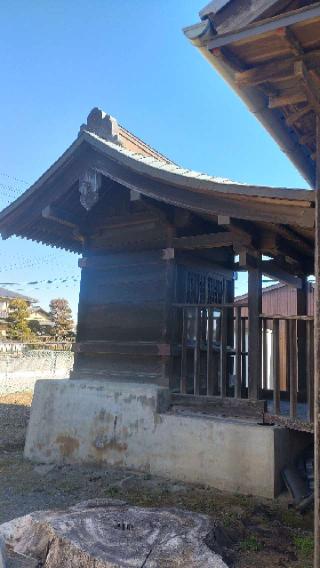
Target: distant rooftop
11,295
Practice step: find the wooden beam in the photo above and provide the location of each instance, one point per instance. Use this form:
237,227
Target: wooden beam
296,116
182,218
247,260
277,71
270,268
60,216
278,101
157,209
274,244
311,91
266,26
307,138
135,195
234,226
289,250
293,42
300,242
224,220
224,406
211,240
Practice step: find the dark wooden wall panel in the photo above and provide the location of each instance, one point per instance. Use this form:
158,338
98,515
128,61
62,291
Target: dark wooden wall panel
123,322
122,368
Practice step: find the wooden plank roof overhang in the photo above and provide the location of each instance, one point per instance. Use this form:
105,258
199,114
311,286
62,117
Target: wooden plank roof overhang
60,207
273,63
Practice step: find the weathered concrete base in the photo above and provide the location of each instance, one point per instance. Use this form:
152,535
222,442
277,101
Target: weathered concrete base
113,534
130,425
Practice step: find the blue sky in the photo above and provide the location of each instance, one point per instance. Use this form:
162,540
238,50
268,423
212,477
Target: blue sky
61,58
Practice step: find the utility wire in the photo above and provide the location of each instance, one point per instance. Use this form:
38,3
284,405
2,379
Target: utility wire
5,174
47,281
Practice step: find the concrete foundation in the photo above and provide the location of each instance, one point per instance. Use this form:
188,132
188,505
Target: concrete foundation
130,425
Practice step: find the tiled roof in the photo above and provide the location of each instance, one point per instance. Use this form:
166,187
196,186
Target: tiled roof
5,293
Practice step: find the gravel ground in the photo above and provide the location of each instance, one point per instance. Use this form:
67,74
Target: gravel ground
251,533
14,416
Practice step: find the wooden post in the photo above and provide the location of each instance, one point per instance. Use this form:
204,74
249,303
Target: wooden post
223,353
302,308
254,340
310,369
293,328
184,352
196,355
210,385
317,361
276,367
264,354
237,388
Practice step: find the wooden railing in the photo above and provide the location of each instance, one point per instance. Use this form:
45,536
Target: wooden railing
212,344
213,349
288,365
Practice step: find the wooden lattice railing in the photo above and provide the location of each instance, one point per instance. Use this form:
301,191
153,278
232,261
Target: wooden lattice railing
213,349
288,366
213,354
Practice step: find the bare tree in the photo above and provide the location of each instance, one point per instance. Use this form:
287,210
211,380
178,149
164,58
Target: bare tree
61,316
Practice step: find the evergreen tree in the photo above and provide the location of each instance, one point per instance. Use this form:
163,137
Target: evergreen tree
18,326
61,316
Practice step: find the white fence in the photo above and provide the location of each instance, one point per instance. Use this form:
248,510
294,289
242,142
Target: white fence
21,365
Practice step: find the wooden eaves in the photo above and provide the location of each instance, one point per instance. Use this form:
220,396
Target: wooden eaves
273,66
276,221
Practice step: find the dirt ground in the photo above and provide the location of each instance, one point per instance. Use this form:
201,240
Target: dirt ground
250,533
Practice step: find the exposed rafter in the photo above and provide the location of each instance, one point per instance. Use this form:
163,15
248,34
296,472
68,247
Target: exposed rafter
267,26
60,216
270,268
208,241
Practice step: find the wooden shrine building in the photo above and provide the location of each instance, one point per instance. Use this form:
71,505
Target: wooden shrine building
160,337
155,238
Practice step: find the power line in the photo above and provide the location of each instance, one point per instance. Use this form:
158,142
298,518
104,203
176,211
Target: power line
62,279
10,188
5,174
27,263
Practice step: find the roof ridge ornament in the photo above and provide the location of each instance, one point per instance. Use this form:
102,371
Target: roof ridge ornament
103,125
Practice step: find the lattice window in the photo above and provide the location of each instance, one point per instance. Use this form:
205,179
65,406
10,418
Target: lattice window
203,289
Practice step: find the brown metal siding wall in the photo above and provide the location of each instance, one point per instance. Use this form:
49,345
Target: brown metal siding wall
282,301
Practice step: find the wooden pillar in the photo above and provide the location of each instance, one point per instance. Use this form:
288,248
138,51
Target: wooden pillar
317,361
302,309
254,329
